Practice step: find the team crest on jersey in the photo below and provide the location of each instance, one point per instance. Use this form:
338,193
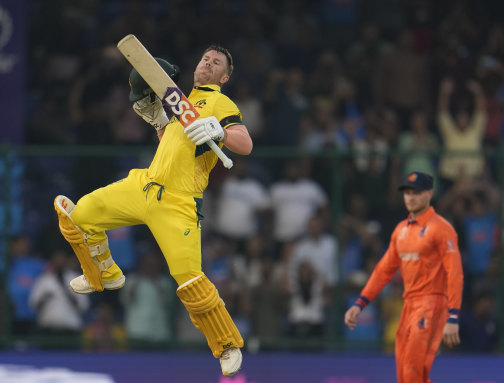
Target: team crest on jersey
422,324
422,232
200,104
451,247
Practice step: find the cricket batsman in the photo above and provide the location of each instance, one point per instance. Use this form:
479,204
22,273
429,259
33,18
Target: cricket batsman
167,197
425,247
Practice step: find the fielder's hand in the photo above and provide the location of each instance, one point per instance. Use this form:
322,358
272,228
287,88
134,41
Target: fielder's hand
351,316
151,110
205,129
451,334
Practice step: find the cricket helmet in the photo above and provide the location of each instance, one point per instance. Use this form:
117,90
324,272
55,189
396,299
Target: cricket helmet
140,89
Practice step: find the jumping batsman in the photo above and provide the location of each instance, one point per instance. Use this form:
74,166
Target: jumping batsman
167,197
424,246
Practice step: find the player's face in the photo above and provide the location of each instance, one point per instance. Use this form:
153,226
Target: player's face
417,201
212,69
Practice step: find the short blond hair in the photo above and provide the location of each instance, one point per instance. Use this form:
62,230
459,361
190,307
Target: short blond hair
229,58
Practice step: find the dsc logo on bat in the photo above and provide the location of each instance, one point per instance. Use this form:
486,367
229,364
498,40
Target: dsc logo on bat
180,106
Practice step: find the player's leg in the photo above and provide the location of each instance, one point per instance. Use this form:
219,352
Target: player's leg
439,319
424,325
400,342
174,223
83,225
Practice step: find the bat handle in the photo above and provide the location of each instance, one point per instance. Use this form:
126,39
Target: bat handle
226,161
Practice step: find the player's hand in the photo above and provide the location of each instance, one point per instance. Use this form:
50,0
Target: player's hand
451,334
351,316
205,129
151,110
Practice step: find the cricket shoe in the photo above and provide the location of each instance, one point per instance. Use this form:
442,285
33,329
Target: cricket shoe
231,361
80,285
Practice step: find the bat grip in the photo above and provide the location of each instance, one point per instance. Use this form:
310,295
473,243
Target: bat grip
226,161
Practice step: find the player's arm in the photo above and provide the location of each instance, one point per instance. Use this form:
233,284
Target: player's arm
445,91
479,97
225,126
452,263
382,274
237,139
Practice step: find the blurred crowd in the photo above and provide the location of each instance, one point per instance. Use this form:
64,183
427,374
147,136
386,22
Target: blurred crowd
390,86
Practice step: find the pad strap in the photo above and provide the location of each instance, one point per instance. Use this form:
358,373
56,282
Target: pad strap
98,249
105,264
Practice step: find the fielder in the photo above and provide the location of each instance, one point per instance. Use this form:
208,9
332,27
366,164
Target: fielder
167,197
425,247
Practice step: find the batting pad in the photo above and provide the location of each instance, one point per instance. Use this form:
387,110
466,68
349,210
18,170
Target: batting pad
209,315
75,237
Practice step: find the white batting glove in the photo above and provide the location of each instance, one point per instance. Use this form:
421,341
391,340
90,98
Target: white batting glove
205,129
151,110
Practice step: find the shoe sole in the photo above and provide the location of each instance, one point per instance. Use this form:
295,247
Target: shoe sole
227,373
117,284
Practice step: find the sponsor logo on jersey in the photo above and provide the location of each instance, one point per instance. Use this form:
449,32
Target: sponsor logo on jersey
422,232
409,256
186,233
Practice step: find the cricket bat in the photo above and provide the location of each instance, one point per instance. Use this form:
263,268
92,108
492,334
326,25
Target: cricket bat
164,87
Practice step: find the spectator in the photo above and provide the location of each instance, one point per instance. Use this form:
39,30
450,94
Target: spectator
12,176
147,298
479,326
25,268
308,300
59,311
104,332
242,204
294,199
360,236
268,302
252,110
362,58
287,103
418,146
321,129
481,238
248,266
461,133
319,249
402,79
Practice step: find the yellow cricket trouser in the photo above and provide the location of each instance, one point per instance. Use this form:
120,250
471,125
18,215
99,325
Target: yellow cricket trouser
172,217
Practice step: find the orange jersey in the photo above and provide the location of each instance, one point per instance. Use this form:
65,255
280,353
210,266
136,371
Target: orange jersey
426,251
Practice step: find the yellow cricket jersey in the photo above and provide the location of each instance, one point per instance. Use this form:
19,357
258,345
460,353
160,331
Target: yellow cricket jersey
180,165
